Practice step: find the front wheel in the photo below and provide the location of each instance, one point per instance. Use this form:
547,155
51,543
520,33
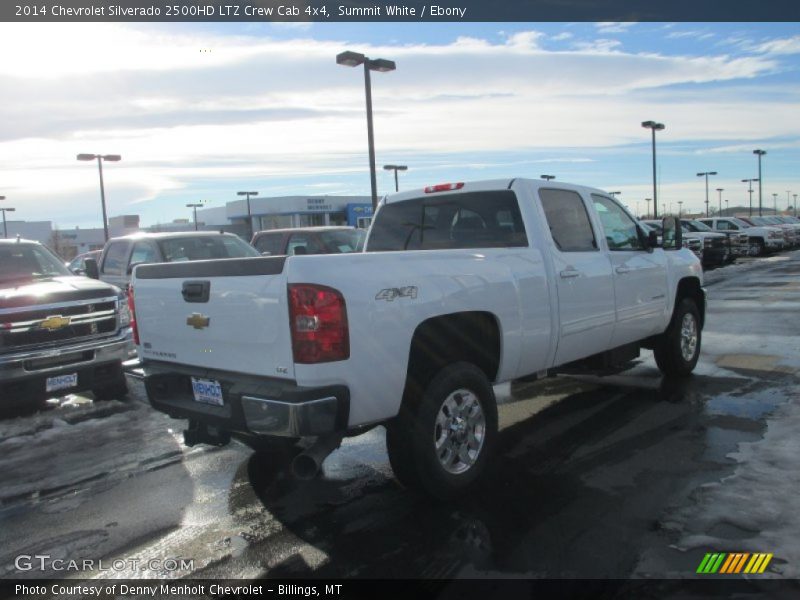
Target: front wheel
449,434
678,350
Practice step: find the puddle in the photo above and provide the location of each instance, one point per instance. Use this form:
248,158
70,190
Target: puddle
720,442
750,406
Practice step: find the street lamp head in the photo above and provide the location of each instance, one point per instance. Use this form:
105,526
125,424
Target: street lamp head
2,197
395,167
350,59
87,156
194,205
112,157
653,125
547,177
246,193
720,189
760,152
381,65
8,209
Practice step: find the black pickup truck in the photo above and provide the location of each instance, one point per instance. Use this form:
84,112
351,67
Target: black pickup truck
59,333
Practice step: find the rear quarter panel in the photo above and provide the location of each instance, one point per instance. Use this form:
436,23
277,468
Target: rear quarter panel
381,330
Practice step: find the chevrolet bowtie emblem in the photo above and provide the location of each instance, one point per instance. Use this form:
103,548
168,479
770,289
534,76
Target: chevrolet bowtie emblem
198,321
55,322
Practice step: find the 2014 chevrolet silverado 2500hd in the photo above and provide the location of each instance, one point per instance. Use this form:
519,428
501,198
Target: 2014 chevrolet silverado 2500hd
461,286
59,333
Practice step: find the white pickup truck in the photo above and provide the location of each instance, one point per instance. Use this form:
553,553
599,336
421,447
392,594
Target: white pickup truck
461,286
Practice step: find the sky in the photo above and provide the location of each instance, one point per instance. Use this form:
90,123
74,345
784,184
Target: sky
199,111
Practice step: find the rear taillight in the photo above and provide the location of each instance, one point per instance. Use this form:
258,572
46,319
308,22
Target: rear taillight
318,320
132,309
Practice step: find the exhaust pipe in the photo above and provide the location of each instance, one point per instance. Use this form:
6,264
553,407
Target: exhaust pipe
306,465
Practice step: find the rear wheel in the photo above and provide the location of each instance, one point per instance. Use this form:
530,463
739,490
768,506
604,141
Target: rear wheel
443,442
678,349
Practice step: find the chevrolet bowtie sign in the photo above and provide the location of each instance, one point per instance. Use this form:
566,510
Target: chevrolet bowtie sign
55,322
198,321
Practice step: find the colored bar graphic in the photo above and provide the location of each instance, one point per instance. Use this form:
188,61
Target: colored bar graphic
733,563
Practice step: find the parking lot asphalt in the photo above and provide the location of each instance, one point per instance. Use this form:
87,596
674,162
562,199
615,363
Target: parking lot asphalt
595,477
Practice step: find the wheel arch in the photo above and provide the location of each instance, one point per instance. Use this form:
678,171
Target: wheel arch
689,287
472,336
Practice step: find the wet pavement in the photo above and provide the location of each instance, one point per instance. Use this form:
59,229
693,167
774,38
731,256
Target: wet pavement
595,477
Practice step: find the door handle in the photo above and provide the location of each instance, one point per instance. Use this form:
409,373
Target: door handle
623,270
567,273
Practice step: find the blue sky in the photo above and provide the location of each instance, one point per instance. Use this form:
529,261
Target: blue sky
200,111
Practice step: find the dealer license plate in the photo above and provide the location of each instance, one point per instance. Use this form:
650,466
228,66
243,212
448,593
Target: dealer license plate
61,382
207,391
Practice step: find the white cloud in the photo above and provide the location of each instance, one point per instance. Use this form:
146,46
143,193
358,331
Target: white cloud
564,35
600,46
613,27
783,46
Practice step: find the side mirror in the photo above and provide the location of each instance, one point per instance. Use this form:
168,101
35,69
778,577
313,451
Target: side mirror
92,271
652,239
672,234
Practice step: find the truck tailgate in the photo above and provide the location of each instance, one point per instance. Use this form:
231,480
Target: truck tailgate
224,314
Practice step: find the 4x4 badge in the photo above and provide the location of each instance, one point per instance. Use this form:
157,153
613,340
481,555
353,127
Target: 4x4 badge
198,321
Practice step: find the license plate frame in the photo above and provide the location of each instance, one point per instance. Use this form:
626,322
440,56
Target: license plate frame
65,381
207,391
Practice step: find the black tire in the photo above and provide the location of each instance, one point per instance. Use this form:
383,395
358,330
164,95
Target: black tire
398,446
669,350
762,249
411,438
114,391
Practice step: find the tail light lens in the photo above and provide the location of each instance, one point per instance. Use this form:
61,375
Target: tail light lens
318,320
132,309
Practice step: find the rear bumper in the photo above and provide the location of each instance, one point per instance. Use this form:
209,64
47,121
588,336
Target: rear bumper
23,375
259,406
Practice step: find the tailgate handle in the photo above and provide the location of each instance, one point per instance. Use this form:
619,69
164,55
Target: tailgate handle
196,291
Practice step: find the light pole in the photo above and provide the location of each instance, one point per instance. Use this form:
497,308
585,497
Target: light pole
395,168
788,202
727,208
720,190
4,211
759,153
775,204
100,158
652,125
648,200
680,209
614,194
795,204
749,183
194,206
353,59
547,177
706,174
249,216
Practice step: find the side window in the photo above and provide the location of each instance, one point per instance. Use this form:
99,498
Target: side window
114,261
620,229
568,220
489,219
726,226
142,253
271,243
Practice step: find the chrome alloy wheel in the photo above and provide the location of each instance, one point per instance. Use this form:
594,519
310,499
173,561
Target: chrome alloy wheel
688,337
459,431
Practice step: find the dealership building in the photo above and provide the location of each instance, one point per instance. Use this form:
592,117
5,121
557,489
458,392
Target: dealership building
281,212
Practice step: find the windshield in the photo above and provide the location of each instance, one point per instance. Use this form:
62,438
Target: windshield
741,223
26,262
204,248
343,241
698,226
